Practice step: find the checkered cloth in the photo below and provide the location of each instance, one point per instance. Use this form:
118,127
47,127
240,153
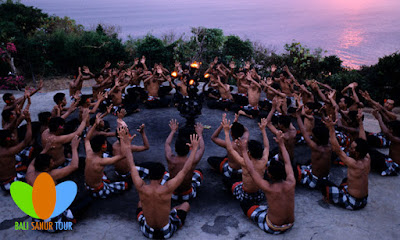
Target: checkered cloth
343,139
197,178
384,142
392,168
307,178
25,154
341,197
166,232
65,216
259,215
241,195
107,188
65,163
227,171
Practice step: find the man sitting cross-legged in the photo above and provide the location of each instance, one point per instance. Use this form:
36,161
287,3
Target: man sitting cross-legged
247,190
156,219
45,163
187,190
95,179
352,193
321,153
278,216
230,169
122,167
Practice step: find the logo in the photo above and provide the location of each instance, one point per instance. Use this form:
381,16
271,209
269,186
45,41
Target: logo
44,200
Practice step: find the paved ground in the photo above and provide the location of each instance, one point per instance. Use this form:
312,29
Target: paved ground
215,214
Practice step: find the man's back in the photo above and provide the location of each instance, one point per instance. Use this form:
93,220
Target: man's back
281,202
357,177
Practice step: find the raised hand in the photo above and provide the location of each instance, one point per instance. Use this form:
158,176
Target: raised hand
194,141
136,61
232,64
141,129
199,128
329,123
285,68
236,117
121,64
143,60
247,65
75,142
226,124
262,124
107,65
376,114
215,60
86,70
174,125
331,94
121,114
279,138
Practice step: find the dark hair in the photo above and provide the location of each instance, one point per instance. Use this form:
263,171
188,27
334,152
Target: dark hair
156,170
7,96
277,170
181,148
321,133
97,142
237,130
42,162
84,98
276,86
58,97
352,115
256,149
4,134
362,147
55,123
97,75
395,126
349,101
284,120
139,65
44,117
6,114
285,74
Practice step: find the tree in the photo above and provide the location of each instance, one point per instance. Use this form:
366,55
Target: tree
234,46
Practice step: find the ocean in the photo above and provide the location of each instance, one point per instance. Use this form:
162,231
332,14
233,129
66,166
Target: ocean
358,31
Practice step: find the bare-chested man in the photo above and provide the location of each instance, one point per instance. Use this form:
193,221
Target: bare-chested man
152,85
230,169
285,125
12,170
241,96
247,189
44,163
321,153
54,134
156,219
226,99
59,110
252,110
76,84
95,180
388,165
122,168
188,188
352,193
278,216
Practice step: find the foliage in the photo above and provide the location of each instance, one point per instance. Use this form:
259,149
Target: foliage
235,47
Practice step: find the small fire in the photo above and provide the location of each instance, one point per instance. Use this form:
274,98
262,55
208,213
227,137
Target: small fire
194,65
174,74
191,82
206,75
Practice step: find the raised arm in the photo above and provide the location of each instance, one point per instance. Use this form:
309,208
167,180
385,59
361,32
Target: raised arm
286,158
262,126
28,136
68,138
174,125
360,118
145,145
226,124
306,137
216,139
65,171
173,183
384,128
199,131
335,144
271,127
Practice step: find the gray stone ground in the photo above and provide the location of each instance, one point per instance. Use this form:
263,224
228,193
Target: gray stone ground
215,214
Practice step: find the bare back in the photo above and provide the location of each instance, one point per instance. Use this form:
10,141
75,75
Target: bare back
281,203
93,171
357,177
321,161
175,165
57,152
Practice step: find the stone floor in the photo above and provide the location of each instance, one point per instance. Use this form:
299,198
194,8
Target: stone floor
214,213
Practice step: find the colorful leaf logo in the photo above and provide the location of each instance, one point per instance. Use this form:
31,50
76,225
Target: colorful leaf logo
44,200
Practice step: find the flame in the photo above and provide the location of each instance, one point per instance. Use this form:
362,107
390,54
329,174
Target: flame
206,75
191,82
174,74
194,65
